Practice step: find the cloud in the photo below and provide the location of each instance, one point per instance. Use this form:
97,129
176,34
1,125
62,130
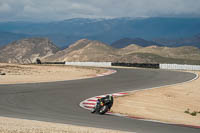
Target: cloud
4,7
45,10
137,8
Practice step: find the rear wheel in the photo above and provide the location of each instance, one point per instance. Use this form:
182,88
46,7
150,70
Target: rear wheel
103,110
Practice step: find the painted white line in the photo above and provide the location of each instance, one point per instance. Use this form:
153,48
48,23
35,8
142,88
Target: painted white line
89,102
109,72
94,99
100,75
118,94
143,119
196,77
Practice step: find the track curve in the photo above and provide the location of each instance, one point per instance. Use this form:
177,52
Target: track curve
59,101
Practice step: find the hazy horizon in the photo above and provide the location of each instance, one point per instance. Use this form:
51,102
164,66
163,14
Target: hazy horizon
49,10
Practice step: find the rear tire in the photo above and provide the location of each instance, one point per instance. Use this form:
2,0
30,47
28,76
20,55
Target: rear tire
103,109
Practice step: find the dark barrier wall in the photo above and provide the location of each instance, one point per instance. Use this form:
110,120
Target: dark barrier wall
53,62
143,65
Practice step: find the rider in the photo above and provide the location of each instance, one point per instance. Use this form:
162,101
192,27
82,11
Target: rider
105,100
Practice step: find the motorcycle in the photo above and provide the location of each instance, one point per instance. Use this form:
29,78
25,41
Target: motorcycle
103,105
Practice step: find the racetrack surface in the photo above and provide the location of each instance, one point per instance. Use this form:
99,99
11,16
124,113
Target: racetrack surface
59,101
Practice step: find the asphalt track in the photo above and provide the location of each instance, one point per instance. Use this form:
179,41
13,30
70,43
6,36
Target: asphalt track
59,101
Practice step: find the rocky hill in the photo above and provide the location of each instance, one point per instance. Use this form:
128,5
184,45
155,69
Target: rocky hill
88,50
156,54
85,50
27,50
184,52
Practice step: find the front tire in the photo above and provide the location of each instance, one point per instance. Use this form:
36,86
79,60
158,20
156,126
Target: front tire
103,109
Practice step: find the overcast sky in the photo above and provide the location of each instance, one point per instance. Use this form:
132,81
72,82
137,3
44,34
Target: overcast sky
48,10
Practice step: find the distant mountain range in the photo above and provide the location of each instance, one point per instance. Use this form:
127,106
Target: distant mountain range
160,31
187,41
8,37
127,41
28,50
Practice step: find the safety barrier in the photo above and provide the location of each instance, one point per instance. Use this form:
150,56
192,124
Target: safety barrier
142,65
97,64
52,62
179,67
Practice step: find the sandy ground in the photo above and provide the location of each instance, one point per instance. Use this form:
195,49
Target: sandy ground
11,125
44,73
167,104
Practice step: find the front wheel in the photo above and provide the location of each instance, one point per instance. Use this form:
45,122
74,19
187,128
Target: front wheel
103,109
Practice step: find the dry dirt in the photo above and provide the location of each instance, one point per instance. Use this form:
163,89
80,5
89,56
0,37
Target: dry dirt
44,73
11,125
167,104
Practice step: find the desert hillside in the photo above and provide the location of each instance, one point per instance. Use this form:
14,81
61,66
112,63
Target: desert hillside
88,50
85,50
27,50
184,52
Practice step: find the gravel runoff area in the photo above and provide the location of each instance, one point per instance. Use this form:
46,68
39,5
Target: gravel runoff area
15,74
12,125
177,104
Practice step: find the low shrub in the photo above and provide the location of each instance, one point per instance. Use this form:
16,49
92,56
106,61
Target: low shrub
194,113
2,73
187,111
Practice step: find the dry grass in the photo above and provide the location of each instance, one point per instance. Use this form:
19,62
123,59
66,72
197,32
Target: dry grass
11,125
166,104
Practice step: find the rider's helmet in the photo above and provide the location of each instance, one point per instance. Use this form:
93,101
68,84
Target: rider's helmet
109,96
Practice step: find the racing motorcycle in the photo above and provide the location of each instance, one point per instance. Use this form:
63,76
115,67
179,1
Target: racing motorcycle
103,105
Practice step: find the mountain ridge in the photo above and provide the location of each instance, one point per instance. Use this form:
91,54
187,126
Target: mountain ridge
127,41
28,50
97,51
67,32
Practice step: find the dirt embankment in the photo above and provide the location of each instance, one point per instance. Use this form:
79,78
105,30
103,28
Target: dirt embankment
174,104
44,73
11,125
